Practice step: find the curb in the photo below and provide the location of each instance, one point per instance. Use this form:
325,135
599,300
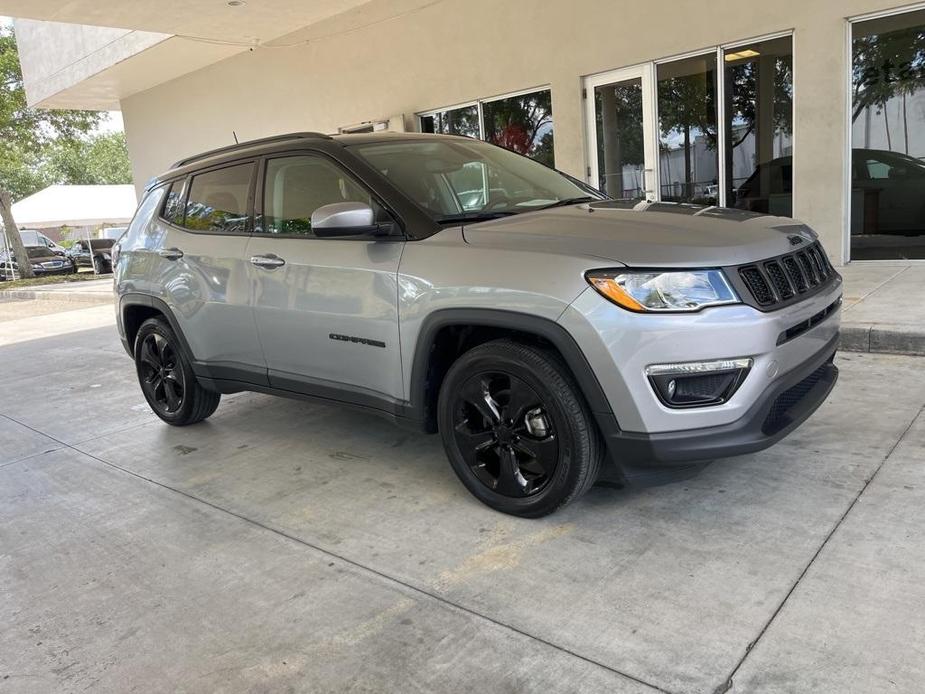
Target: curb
882,338
85,297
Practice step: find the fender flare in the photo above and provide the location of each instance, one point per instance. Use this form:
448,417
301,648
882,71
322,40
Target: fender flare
548,329
137,299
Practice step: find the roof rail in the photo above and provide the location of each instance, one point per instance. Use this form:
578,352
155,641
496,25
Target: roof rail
251,143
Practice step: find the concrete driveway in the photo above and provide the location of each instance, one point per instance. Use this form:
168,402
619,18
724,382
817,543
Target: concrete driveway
287,546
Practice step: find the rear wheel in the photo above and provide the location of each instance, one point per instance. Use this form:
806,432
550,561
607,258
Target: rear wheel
516,429
167,379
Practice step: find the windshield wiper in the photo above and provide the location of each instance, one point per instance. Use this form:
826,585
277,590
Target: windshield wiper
472,217
568,201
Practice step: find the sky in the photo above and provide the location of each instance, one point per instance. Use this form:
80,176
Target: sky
112,124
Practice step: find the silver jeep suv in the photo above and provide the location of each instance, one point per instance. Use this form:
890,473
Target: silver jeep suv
550,335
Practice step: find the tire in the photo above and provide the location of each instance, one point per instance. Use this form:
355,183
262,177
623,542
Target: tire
100,266
167,379
517,430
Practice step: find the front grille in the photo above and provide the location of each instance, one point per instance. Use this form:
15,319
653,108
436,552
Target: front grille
779,280
758,285
776,282
779,416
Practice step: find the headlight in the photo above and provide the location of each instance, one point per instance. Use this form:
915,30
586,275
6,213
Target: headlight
669,290
36,266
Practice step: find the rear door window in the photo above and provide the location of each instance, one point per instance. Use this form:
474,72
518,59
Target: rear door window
218,200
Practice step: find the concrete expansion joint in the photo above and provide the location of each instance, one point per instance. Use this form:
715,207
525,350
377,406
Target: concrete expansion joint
728,683
370,571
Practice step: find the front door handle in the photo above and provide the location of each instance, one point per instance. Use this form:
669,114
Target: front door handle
170,253
268,261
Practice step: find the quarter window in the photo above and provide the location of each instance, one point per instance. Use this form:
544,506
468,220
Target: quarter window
173,207
297,186
217,200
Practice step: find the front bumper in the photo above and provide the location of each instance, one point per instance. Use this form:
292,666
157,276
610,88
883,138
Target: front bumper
792,351
780,409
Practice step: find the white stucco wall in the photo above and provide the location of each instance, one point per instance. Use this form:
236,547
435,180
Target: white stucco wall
457,51
56,55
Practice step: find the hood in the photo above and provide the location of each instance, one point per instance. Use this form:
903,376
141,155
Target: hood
645,234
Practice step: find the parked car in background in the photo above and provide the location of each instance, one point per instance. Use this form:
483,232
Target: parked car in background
32,237
44,262
890,183
100,259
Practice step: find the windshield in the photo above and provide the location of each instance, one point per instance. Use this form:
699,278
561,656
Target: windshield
459,179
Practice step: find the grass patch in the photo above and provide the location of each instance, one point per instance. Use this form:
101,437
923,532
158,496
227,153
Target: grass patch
53,279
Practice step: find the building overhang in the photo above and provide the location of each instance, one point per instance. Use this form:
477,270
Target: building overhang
90,54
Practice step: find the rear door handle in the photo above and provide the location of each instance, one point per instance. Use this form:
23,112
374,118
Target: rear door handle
170,253
268,261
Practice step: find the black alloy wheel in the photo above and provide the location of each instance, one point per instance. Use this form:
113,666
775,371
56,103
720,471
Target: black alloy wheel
505,434
516,428
166,376
161,378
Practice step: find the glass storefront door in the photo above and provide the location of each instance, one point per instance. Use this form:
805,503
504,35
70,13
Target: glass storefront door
619,122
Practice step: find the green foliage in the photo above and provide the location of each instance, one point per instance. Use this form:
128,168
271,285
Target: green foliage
39,147
89,161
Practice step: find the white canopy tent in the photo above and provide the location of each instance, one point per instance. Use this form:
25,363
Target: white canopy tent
76,206
73,206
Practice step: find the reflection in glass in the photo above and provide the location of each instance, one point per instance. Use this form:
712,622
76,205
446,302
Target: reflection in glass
888,138
688,162
523,124
759,126
217,200
456,121
620,150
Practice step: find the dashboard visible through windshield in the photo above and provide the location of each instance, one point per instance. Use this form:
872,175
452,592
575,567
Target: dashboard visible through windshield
463,180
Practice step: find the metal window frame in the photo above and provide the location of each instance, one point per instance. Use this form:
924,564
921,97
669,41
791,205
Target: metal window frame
845,256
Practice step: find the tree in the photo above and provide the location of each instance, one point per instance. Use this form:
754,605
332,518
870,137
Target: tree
39,147
96,160
17,249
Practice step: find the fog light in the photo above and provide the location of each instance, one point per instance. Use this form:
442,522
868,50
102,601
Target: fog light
698,383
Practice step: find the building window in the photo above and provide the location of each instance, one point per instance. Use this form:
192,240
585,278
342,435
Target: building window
711,129
455,121
888,137
688,163
520,122
759,126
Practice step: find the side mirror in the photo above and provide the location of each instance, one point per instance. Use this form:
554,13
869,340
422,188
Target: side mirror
344,219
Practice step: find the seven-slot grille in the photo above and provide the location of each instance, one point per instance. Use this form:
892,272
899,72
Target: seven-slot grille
778,280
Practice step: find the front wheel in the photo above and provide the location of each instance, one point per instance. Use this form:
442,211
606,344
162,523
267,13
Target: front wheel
167,379
516,429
